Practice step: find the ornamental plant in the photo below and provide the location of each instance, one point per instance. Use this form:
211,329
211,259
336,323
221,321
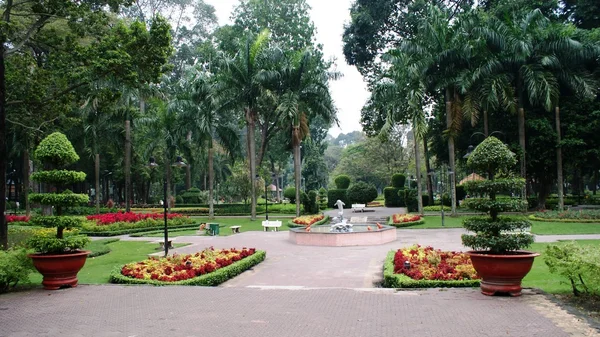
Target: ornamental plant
308,220
56,152
362,193
110,218
495,233
426,263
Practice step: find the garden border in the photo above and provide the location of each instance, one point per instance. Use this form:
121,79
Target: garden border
532,217
404,224
290,224
136,230
391,280
211,279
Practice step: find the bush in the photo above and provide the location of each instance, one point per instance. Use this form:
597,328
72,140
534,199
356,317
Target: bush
322,198
193,196
579,265
334,195
398,180
342,182
408,199
391,197
460,192
290,193
15,267
310,204
590,215
361,193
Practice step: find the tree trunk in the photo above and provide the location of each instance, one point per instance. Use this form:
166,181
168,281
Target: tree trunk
559,169
97,172
188,177
127,164
251,123
521,120
296,142
451,159
3,154
211,182
418,174
428,168
26,181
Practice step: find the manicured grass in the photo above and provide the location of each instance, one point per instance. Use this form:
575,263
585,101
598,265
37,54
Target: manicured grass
558,228
245,222
97,269
436,222
540,276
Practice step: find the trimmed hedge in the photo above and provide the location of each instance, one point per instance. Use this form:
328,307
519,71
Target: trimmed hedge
362,193
135,230
334,194
534,218
391,197
325,220
398,180
391,280
211,279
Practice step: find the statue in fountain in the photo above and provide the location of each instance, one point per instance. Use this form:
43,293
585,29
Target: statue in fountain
342,226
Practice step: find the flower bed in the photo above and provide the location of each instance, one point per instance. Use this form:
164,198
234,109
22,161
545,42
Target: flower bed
16,218
308,220
375,204
428,268
103,225
209,268
405,220
111,218
567,216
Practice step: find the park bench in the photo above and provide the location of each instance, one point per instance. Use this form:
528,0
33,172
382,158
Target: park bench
235,229
358,207
271,224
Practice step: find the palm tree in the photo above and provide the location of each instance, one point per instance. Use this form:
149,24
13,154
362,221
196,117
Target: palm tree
239,84
304,94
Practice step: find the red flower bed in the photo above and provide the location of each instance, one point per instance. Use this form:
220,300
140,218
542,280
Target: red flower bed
110,218
427,263
308,220
15,218
183,267
400,218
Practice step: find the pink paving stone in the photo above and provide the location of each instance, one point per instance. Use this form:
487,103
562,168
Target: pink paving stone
367,238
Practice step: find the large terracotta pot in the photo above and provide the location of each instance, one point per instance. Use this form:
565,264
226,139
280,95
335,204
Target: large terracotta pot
61,270
502,273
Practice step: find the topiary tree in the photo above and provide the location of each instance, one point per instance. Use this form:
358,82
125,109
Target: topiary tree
342,182
290,193
398,180
310,202
361,193
492,233
55,151
322,198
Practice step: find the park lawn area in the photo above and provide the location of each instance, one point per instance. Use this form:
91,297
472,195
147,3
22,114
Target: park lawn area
432,221
558,228
540,277
97,269
245,222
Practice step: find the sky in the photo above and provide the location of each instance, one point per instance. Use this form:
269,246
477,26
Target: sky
329,16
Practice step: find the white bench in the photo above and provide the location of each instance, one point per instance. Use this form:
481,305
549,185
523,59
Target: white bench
235,229
271,224
358,207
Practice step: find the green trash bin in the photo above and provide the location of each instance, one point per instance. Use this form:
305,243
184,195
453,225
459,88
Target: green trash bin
214,228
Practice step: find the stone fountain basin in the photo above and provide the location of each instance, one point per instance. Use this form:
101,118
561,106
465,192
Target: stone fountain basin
360,236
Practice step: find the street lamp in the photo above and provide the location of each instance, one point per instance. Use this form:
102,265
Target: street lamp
152,164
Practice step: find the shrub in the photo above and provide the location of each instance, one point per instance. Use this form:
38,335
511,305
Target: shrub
398,180
579,265
591,215
310,204
334,195
408,199
194,196
342,182
322,198
290,193
15,267
361,193
391,197
460,192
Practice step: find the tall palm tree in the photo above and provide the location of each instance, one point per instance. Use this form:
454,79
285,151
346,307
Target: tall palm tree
304,94
239,84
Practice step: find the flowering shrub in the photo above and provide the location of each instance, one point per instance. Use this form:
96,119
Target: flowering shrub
16,218
110,218
564,215
401,218
308,220
183,267
427,263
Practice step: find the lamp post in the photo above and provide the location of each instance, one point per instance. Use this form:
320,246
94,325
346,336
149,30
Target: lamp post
152,165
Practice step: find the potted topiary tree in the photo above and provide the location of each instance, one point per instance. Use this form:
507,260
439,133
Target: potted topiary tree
58,258
497,256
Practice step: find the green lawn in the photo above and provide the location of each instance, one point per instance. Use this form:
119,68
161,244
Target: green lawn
557,228
432,221
245,222
97,269
540,277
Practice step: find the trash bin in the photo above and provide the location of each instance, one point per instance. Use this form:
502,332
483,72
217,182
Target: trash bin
214,228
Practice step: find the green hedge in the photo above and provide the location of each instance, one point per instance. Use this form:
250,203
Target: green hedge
211,279
99,247
325,220
334,194
66,198
122,231
58,177
534,218
392,199
391,280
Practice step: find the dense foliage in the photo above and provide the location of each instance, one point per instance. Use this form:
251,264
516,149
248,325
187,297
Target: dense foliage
361,193
578,264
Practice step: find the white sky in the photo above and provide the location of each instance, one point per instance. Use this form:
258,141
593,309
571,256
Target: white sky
350,92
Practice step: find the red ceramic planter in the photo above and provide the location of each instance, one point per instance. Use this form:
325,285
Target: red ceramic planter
502,273
60,270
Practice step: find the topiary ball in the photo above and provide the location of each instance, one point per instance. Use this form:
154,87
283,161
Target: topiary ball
342,181
56,149
490,156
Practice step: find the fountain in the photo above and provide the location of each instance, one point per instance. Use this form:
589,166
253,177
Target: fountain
341,232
